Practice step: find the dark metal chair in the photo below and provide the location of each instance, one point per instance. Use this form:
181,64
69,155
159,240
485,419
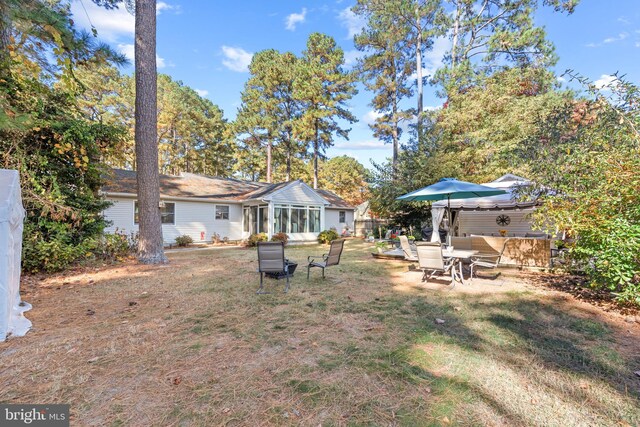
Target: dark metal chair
271,260
326,260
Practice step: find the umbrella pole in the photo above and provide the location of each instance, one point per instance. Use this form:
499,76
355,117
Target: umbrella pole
449,209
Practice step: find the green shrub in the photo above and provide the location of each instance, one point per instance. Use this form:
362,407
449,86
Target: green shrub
255,238
51,247
280,237
327,236
184,240
611,258
112,247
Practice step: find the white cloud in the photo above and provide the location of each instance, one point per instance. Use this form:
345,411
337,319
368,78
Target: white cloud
637,44
605,81
202,92
368,144
609,40
236,58
128,50
352,22
434,57
561,79
160,6
623,20
110,24
351,57
371,116
291,21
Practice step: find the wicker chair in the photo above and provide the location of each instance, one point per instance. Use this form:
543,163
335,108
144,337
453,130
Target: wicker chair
326,260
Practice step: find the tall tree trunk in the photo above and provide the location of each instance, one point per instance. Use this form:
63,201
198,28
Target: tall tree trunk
5,37
289,163
269,149
419,68
456,31
316,148
150,246
394,120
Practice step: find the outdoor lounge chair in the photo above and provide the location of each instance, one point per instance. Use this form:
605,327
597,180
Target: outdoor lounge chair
410,254
430,259
487,261
271,260
326,260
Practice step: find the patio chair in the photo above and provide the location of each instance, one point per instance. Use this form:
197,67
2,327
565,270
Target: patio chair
487,261
430,259
271,260
326,260
409,253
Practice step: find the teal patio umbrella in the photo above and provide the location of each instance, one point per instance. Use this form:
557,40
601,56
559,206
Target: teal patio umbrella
447,189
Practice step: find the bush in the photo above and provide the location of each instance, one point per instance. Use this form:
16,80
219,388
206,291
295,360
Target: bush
280,237
611,257
184,240
327,236
112,247
255,238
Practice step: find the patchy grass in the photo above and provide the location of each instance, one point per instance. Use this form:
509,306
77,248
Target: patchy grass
190,343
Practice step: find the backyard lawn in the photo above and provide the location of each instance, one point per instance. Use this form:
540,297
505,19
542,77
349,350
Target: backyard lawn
190,343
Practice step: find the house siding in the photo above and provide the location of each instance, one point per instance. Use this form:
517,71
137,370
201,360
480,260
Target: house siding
483,222
332,219
191,218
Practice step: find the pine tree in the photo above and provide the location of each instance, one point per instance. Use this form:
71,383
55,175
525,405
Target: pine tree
323,88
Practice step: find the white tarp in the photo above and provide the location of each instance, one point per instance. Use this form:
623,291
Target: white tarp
507,182
12,320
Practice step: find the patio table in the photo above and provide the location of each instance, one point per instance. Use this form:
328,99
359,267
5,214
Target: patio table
458,255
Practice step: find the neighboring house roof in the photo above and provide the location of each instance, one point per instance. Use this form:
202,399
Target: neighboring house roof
208,187
509,182
334,200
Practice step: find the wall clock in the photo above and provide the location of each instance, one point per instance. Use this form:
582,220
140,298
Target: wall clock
503,220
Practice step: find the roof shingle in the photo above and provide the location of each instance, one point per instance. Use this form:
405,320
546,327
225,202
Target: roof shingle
205,187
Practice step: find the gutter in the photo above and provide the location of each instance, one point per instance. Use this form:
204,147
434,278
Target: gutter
176,198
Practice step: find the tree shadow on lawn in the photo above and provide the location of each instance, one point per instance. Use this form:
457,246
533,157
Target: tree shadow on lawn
561,356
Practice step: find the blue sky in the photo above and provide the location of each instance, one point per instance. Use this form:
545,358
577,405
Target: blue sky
208,45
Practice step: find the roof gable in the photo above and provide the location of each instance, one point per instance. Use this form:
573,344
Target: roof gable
296,192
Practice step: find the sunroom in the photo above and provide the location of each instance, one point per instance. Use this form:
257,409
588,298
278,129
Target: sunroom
295,209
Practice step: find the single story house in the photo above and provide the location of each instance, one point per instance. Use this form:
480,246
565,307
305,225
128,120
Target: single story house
487,216
202,206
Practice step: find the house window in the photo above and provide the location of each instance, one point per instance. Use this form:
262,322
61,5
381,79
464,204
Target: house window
314,220
256,219
296,219
167,213
222,212
281,219
342,217
299,219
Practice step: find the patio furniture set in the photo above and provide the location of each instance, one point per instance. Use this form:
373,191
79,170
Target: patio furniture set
272,262
434,258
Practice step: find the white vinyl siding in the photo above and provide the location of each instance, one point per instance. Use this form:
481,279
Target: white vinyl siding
484,222
191,218
332,219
